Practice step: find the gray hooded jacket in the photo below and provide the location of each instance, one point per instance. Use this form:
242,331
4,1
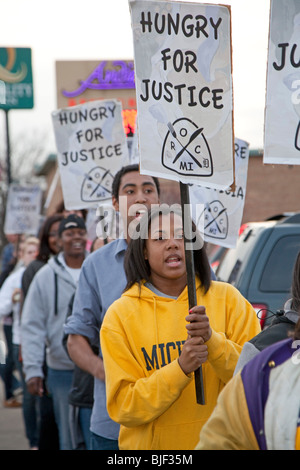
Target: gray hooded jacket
44,313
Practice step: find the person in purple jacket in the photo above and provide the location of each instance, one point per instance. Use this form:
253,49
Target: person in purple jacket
260,407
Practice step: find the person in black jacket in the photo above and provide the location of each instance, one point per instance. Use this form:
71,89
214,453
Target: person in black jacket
81,396
81,399
281,327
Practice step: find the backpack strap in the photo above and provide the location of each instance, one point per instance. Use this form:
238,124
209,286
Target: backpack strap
55,294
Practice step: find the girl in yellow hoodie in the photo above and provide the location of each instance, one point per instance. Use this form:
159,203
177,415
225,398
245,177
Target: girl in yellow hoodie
152,343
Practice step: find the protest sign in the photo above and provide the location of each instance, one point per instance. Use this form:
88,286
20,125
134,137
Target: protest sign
23,209
218,213
184,91
91,148
282,114
134,147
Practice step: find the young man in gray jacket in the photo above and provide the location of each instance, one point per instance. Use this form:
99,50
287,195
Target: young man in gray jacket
44,313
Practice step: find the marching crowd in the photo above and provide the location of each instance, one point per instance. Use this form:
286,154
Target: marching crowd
106,344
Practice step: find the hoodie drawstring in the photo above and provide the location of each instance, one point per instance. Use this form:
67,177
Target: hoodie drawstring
55,294
156,327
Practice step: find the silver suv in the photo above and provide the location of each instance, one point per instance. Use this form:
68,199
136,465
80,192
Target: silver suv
261,265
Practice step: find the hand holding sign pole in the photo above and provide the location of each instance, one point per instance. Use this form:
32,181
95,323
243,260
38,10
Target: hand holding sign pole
190,270
189,257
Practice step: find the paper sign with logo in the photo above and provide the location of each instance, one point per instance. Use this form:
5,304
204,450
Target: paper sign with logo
282,114
182,55
218,213
134,147
91,148
23,209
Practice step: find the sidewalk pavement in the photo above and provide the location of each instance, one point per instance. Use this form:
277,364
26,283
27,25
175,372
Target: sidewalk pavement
12,430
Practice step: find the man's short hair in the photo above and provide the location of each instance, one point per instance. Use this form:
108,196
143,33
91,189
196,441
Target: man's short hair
122,172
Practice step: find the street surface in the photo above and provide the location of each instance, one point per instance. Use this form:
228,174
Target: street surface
12,432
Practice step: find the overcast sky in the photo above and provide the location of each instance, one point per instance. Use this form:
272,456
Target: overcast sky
101,29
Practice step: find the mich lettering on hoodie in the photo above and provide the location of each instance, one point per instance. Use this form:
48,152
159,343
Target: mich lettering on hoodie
162,354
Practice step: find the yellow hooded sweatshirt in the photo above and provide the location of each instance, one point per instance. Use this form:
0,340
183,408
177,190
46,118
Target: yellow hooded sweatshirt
147,392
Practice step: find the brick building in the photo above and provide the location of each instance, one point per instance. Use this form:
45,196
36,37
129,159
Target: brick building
271,189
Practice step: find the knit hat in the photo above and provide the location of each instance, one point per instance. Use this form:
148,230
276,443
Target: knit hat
72,221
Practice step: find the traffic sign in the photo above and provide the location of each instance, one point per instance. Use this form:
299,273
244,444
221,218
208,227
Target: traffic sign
16,73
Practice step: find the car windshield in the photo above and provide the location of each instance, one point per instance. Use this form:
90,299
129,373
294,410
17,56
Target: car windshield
232,263
277,274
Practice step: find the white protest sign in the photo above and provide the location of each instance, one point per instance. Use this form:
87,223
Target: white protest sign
134,150
282,114
182,54
91,148
23,209
103,222
218,213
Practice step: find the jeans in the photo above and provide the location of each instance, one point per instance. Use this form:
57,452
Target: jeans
79,421
85,421
59,383
101,443
30,405
11,383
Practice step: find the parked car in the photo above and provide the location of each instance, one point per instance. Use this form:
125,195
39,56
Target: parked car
216,256
261,265
216,252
